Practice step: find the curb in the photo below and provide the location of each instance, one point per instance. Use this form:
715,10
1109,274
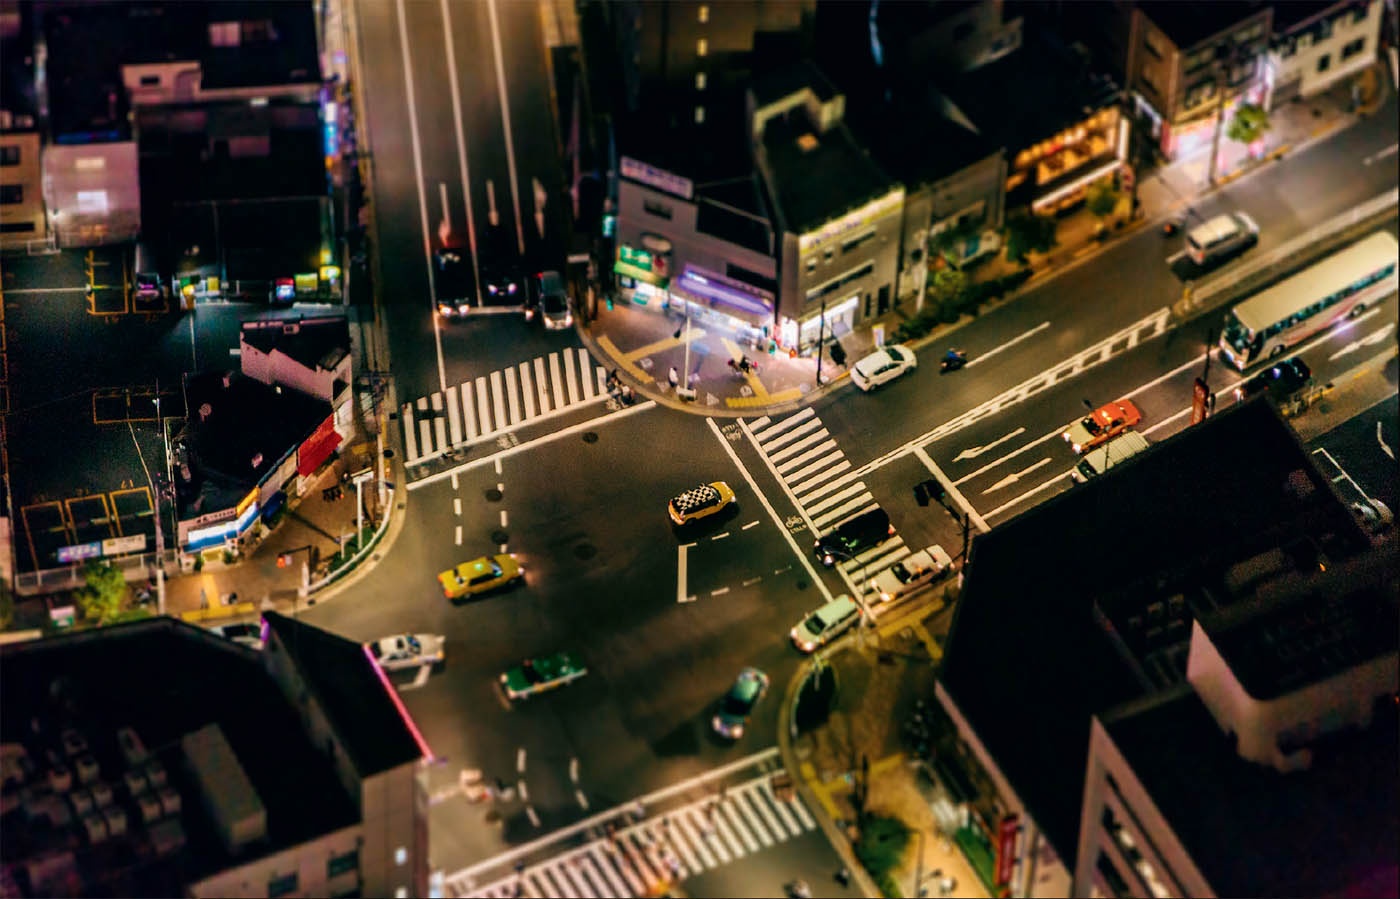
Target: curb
838,840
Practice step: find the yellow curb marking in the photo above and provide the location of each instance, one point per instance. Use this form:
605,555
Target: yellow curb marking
935,652
622,360
666,343
745,401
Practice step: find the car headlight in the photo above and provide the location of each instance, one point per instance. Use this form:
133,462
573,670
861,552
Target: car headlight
1066,436
444,309
1075,447
511,289
1239,394
568,320
828,559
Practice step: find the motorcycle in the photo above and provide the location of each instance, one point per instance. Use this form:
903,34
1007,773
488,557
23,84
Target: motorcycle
952,362
1175,223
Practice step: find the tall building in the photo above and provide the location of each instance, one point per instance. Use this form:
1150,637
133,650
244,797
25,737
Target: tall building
1179,679
159,759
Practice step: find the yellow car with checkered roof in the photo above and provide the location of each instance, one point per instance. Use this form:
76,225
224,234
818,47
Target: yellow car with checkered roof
700,502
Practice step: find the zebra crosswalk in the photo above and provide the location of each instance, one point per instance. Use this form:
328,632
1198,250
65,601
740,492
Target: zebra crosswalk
495,402
820,481
643,858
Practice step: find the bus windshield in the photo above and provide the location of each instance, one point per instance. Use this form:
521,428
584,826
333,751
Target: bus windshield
1236,334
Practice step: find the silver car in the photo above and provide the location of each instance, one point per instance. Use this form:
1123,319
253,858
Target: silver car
407,651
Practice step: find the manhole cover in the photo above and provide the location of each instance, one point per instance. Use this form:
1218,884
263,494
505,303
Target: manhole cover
585,551
802,585
493,495
590,436
500,537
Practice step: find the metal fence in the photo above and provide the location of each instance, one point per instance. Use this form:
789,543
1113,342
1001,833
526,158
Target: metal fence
70,577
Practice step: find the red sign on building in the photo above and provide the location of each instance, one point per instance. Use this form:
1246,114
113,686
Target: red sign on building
318,447
1200,402
1006,847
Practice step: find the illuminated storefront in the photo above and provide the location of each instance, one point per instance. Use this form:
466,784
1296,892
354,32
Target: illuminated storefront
1054,173
731,304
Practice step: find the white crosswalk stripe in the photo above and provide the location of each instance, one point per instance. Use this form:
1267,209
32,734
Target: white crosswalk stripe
803,455
486,406
638,859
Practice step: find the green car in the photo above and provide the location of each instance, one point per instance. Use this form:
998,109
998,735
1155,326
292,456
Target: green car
544,673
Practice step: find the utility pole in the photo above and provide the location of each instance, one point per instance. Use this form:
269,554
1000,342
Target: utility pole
821,335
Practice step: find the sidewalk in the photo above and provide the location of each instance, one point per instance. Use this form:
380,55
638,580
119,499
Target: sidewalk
644,344
881,678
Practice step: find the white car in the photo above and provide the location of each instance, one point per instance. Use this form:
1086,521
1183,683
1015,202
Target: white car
407,651
883,366
911,573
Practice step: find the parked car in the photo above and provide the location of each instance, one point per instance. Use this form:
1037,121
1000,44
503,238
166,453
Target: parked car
1102,458
736,706
852,536
407,651
883,366
911,572
1280,380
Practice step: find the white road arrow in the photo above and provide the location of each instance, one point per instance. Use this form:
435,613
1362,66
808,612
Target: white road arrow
1013,478
1368,340
973,452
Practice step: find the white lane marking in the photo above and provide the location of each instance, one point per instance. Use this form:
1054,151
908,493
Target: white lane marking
573,769
520,760
751,581
952,488
454,482
422,196
1375,157
459,535
531,444
555,381
1380,438
505,121
973,452
469,411
1372,338
540,384
504,520
720,536
454,415
513,396
461,143
754,523
499,486
498,400
1028,494
828,447
570,377
761,433
799,446
1175,257
982,357
483,407
681,595
773,444
1168,420
524,792
693,840
582,799
456,505
527,390
498,471
735,816
720,592
533,815
1013,478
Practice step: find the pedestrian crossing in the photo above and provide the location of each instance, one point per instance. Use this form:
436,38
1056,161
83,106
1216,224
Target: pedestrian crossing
644,858
819,479
493,403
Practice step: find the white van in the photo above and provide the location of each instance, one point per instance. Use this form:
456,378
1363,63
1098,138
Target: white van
1102,458
1220,236
826,623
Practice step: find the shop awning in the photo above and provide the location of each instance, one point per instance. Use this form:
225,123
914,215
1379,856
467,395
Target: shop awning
724,294
641,274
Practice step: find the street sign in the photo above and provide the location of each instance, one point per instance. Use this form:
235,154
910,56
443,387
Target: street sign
115,546
80,551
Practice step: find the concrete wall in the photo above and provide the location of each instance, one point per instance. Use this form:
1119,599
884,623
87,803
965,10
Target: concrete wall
309,862
688,243
395,852
24,219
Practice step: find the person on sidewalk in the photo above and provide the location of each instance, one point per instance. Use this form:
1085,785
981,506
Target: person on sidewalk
674,377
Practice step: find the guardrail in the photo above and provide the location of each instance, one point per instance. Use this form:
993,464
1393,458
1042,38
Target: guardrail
70,577
365,550
1200,297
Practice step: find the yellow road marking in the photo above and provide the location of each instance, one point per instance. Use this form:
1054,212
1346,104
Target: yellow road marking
935,652
666,344
622,361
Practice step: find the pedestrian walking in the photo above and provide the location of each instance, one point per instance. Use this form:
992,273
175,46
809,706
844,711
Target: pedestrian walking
843,876
674,377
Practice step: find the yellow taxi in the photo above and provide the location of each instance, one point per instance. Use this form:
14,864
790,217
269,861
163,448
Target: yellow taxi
700,502
481,575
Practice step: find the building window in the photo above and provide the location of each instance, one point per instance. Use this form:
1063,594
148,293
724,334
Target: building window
811,263
11,194
1353,47
829,254
702,47
1250,33
9,155
699,81
223,34
660,210
1305,41
849,245
339,864
703,13
281,886
839,282
1324,62
1150,47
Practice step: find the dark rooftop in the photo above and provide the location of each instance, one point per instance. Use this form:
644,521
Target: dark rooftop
818,176
777,83
1187,24
229,456
314,342
1296,12
1069,654
164,679
361,705
1013,111
926,147
18,92
1328,830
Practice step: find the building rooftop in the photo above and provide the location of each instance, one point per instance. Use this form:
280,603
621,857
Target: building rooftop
163,679
363,708
1013,111
236,434
818,176
926,148
19,99
1187,24
1131,552
784,81
1328,830
1303,12
314,342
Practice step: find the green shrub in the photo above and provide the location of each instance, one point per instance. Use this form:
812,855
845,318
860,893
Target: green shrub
948,312
882,843
889,886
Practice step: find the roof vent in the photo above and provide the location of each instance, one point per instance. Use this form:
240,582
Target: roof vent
807,142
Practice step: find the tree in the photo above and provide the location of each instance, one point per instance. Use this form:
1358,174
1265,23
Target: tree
104,593
1250,123
1102,199
947,285
1026,232
945,242
882,842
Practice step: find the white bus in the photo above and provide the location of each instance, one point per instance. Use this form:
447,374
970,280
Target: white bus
1344,283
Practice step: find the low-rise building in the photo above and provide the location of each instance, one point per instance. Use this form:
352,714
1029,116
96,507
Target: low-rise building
837,215
1215,623
1316,44
159,759
311,355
